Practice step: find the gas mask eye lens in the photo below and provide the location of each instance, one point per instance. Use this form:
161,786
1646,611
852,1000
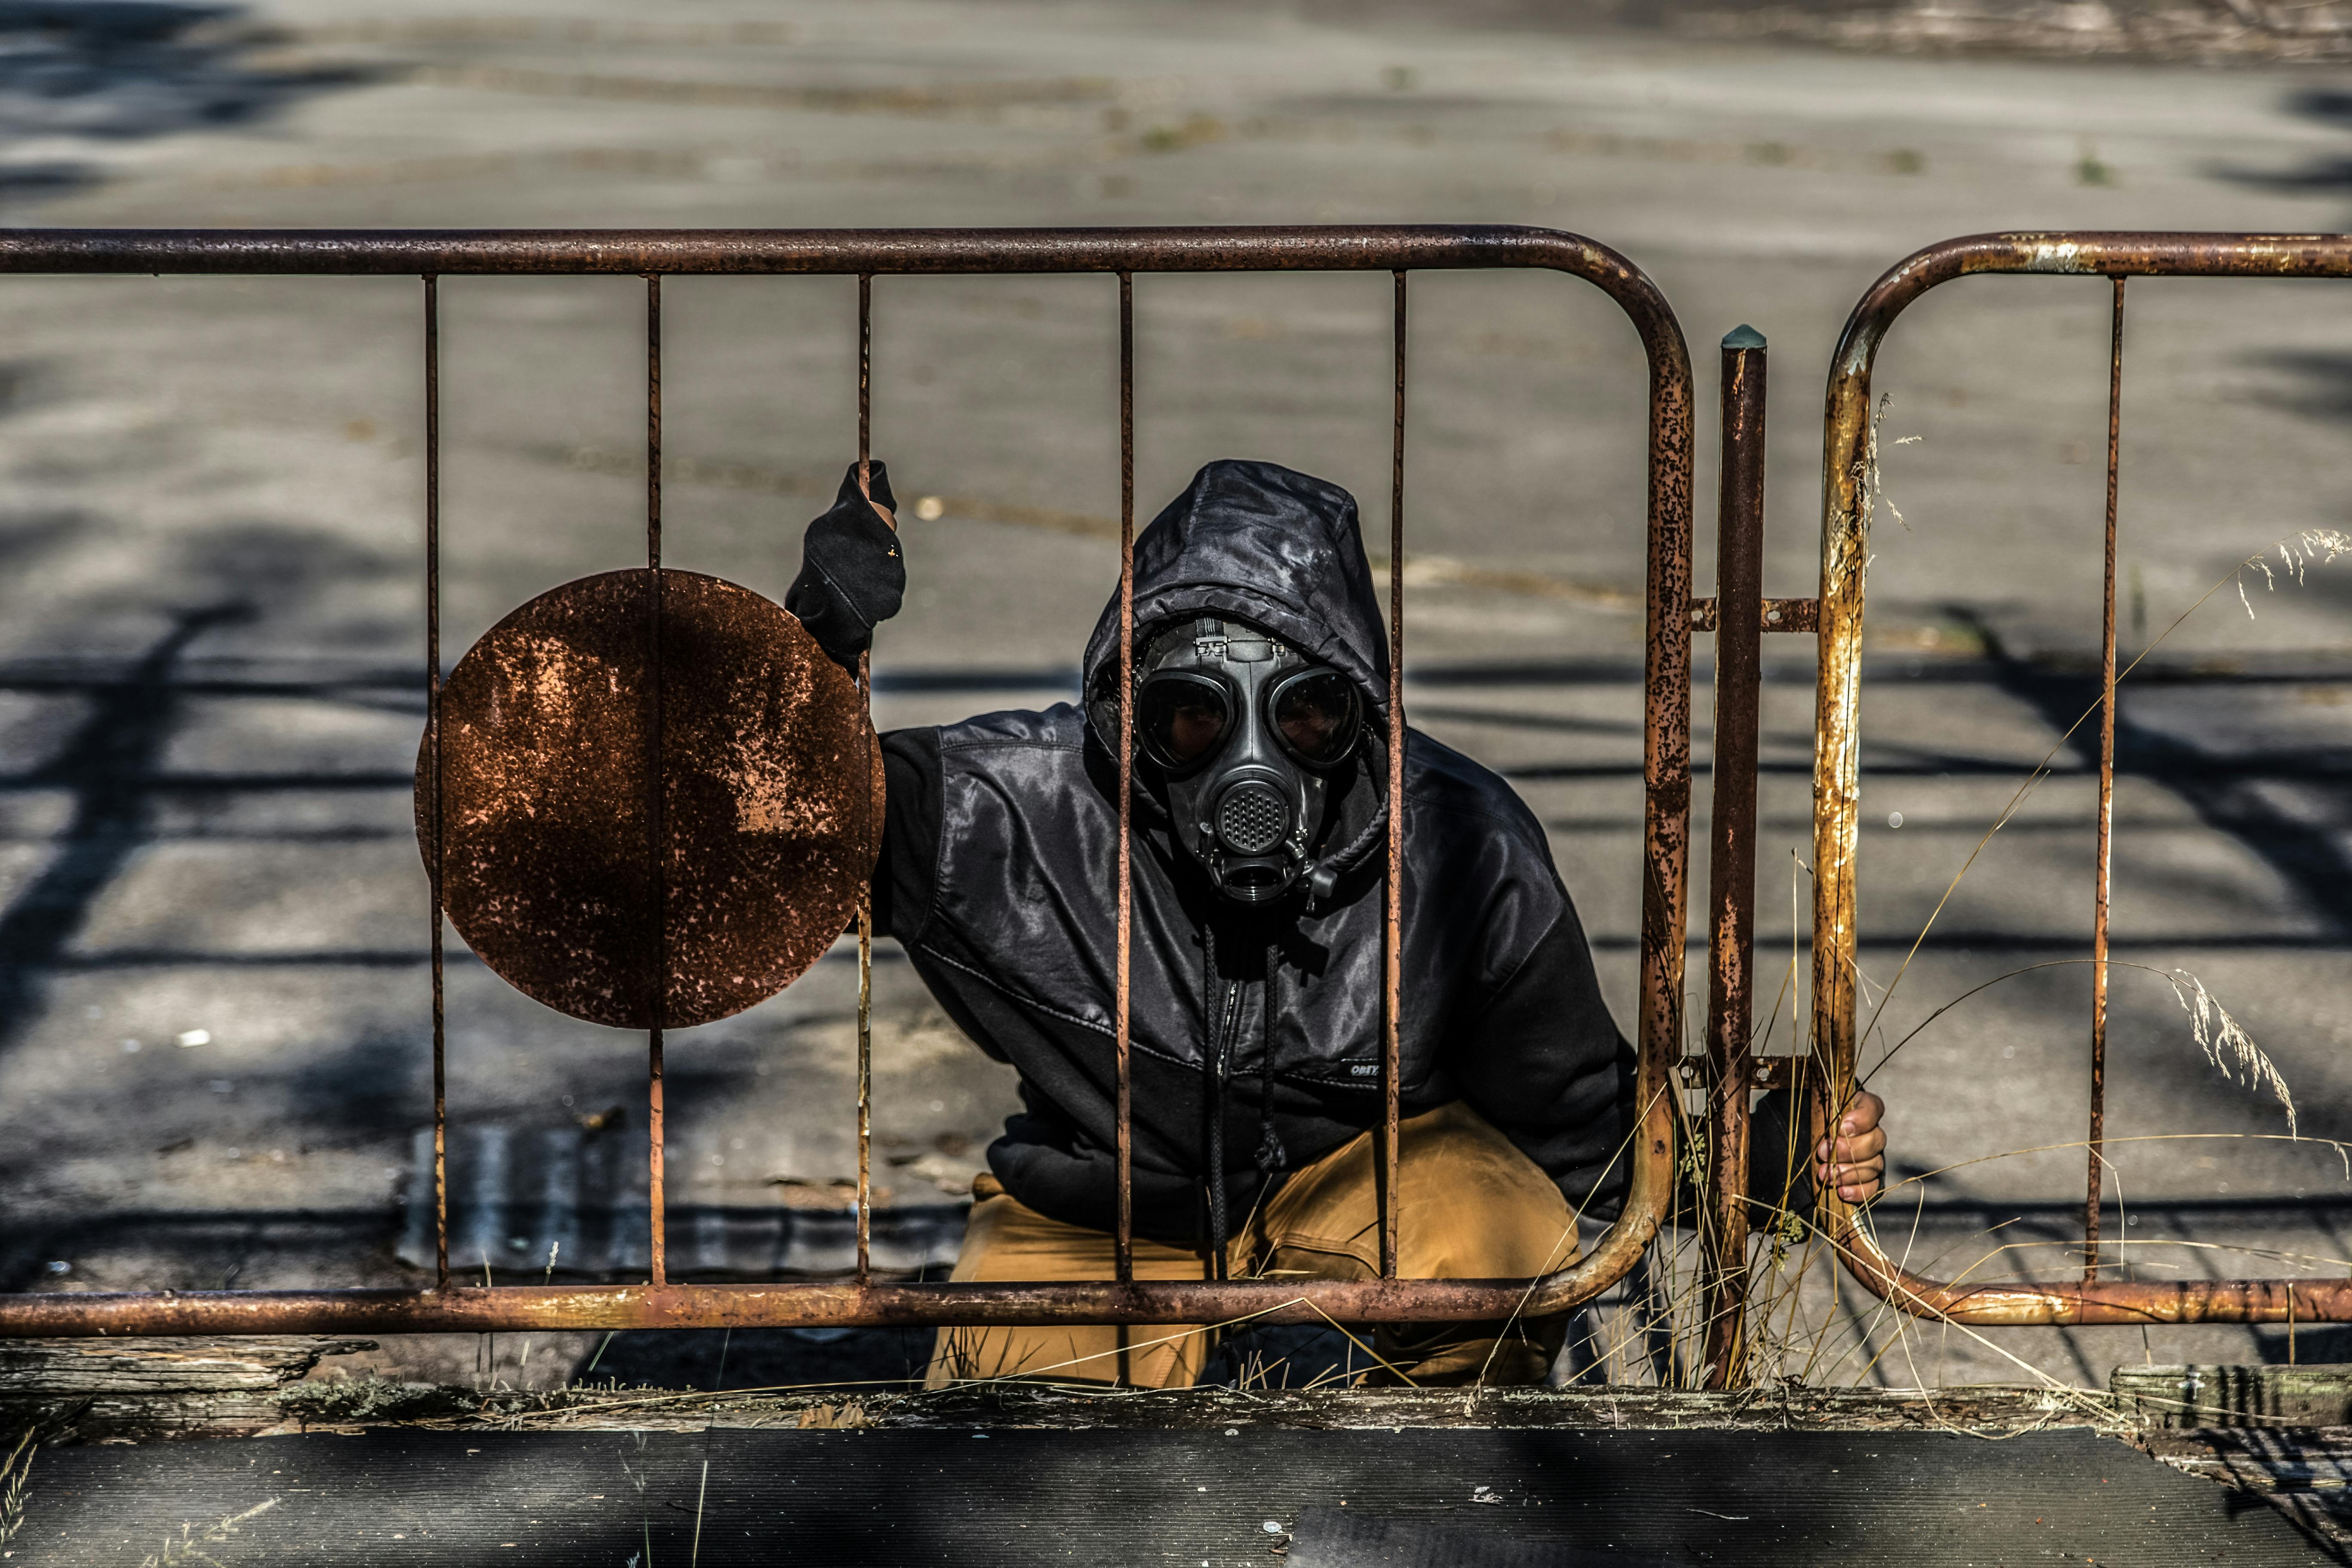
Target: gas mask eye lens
1315,714
1181,718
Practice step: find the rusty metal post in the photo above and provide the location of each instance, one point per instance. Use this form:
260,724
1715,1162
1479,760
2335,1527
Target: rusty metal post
1731,867
1393,947
656,1175
433,870
1124,1131
2099,1133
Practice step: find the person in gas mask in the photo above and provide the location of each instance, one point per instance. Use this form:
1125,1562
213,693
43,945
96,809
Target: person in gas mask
1260,826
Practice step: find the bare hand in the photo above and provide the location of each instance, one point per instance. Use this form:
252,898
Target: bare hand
1859,1162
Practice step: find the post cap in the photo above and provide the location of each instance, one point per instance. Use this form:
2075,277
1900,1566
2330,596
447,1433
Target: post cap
1743,337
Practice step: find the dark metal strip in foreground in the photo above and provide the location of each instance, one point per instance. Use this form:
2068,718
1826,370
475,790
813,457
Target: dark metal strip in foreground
635,252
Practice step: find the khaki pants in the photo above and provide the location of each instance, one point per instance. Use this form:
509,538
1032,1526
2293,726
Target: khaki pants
1470,1207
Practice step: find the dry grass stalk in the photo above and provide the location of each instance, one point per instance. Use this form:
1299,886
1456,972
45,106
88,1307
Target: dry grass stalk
2226,1043
14,1472
2297,554
189,1546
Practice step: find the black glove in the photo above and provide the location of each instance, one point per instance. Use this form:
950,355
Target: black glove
852,578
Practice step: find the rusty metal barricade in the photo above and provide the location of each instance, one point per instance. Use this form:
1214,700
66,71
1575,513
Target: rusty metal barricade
1119,254
1845,521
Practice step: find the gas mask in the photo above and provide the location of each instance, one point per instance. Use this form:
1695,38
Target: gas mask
1246,731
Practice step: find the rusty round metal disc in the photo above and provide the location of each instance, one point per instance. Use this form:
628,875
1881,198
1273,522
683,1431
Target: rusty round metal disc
771,795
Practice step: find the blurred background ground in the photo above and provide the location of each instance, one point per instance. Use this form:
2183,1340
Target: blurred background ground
213,1026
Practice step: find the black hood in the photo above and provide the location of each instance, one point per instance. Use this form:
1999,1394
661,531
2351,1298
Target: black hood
1261,543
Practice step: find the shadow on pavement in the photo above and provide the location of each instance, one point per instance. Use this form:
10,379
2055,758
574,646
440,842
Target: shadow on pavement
2329,106
2236,795
114,70
104,766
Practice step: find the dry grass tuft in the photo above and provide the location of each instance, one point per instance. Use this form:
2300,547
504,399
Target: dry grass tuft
2226,1043
2297,554
189,1546
15,1471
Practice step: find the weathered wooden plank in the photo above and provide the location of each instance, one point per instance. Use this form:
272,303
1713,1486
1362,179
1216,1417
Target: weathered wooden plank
139,1417
2207,1396
50,1368
2310,1458
81,1404
1989,1409
116,1390
1783,1408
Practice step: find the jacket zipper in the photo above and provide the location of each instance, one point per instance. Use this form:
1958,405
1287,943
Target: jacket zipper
1229,1035
1220,1064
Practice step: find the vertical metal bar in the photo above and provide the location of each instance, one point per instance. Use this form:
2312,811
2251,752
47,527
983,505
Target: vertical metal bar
864,1079
865,899
1846,506
1665,780
1731,866
1392,969
655,779
1125,1240
865,373
434,864
2099,1133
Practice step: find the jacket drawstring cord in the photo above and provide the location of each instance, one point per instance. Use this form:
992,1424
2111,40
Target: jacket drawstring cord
1271,1155
1213,1064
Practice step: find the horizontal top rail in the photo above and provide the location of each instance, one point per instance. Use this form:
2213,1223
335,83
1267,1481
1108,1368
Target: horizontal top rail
2091,253
451,252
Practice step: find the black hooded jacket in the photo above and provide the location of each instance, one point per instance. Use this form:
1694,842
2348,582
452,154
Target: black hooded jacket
998,875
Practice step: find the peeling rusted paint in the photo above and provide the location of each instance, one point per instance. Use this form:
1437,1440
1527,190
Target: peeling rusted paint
2056,255
1731,863
547,755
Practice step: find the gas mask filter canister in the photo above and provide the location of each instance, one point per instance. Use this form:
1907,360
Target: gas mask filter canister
1246,731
